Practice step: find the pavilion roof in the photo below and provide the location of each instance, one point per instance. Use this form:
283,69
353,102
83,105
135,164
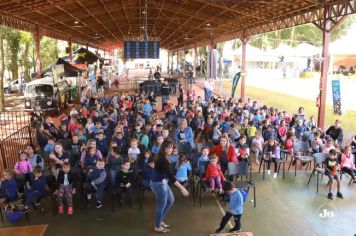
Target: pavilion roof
177,23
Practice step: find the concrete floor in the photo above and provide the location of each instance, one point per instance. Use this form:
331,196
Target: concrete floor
284,207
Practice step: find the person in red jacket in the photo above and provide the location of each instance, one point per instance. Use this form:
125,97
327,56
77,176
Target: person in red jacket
214,174
225,153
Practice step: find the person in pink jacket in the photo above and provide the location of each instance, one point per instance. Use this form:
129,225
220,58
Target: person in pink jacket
347,163
23,166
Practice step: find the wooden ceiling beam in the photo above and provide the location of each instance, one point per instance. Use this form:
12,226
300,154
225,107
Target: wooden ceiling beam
184,23
170,20
112,18
97,20
159,14
126,17
226,8
43,6
202,24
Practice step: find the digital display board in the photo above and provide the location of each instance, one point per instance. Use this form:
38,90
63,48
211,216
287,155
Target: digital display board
141,49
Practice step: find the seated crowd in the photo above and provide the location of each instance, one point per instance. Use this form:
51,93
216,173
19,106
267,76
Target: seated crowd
112,142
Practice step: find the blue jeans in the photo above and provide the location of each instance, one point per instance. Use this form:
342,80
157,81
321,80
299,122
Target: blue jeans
164,99
32,195
113,173
164,200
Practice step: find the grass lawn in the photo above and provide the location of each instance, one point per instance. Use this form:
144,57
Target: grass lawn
292,103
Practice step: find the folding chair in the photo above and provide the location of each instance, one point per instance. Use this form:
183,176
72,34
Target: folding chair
282,161
302,153
319,159
201,182
344,173
241,169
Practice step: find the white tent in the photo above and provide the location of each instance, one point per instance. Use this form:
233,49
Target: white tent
306,50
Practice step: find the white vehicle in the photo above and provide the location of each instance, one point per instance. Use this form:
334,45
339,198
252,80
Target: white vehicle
13,86
50,96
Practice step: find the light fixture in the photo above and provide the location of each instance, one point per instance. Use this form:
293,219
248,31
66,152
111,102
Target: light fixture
143,12
76,22
208,24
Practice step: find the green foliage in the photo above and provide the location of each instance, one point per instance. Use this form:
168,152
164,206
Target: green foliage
12,38
304,33
49,51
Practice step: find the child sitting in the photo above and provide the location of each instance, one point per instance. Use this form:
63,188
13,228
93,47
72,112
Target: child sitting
243,151
183,167
96,182
204,157
65,188
36,190
8,187
257,145
50,145
133,151
148,172
347,163
157,145
271,153
23,166
331,167
173,158
114,162
125,180
90,159
214,174
102,144
234,209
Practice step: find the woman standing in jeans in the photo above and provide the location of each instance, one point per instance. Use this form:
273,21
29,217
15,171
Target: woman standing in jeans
160,187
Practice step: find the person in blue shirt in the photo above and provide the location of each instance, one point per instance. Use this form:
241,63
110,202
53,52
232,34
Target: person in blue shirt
147,109
184,135
157,146
204,156
102,144
235,208
36,190
183,167
8,187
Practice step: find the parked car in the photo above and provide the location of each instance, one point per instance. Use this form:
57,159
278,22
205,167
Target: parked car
49,95
13,86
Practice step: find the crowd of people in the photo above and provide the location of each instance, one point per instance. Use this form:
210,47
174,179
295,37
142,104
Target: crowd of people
119,142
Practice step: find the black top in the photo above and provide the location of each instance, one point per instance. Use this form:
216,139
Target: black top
125,177
335,133
165,90
330,163
162,171
60,178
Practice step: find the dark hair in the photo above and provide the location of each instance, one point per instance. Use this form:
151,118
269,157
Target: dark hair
228,186
100,160
332,152
162,151
66,164
37,169
182,159
32,146
126,160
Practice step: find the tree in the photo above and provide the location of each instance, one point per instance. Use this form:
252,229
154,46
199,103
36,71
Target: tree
12,38
2,69
49,51
26,61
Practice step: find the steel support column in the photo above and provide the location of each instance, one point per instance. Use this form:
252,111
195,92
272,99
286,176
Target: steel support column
195,62
168,62
244,41
70,50
87,46
177,62
37,37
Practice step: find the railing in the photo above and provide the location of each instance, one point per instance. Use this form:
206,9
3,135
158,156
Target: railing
12,121
12,145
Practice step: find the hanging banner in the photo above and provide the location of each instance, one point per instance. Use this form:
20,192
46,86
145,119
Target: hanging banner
235,82
336,97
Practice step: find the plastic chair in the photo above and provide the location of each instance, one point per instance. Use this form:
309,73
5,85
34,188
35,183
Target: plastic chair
302,153
241,169
201,182
319,159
